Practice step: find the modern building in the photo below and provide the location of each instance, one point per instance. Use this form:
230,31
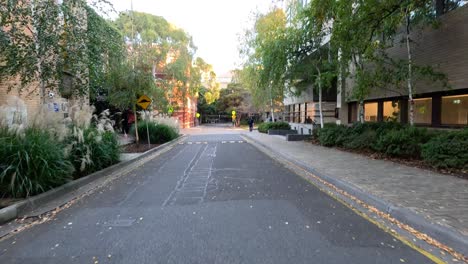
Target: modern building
444,48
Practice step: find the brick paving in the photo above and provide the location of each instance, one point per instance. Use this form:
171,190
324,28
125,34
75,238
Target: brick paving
441,199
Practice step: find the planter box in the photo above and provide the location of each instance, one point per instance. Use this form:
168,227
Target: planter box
296,137
281,132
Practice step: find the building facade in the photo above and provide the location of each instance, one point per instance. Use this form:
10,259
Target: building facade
445,48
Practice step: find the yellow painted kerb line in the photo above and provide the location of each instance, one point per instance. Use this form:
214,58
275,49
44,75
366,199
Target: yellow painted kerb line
405,241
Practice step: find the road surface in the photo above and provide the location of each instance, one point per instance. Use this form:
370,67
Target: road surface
212,199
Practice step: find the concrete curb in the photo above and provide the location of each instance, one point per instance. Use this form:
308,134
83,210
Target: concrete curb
18,209
445,235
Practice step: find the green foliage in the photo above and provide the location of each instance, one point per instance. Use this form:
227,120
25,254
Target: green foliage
31,163
92,150
159,133
440,149
364,140
447,150
105,50
332,135
49,42
234,97
154,41
127,83
405,143
265,51
264,127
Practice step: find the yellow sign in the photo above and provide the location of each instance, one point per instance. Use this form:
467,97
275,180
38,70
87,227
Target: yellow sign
144,101
198,115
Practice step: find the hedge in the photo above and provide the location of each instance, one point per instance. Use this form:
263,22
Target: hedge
264,127
158,133
440,149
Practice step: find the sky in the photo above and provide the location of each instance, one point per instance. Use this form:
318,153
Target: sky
214,24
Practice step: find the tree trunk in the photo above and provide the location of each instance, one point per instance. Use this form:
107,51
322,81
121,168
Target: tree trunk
320,95
271,106
361,112
137,138
410,70
439,6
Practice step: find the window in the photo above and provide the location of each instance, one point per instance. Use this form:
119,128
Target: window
422,111
310,113
303,113
286,113
455,110
370,112
391,111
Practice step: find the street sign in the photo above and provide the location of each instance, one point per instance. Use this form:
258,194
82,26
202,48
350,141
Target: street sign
144,101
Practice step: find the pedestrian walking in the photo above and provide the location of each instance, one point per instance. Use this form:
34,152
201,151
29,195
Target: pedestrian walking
251,122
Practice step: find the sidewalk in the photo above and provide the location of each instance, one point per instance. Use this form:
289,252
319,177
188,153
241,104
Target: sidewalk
440,199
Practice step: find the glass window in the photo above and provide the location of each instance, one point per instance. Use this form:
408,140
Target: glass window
422,111
303,113
310,113
455,110
391,111
370,112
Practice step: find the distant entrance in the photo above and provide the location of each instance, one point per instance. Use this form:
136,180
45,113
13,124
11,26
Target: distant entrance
216,119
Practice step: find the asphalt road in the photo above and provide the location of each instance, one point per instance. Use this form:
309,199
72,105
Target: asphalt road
213,199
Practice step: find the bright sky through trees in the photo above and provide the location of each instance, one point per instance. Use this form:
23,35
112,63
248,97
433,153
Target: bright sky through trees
213,24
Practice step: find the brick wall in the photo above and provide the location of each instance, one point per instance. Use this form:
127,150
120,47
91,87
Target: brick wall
29,95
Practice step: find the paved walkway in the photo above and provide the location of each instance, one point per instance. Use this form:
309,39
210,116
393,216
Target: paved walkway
441,199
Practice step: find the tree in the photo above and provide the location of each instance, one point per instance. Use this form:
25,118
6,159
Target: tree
236,98
310,59
126,83
162,50
264,50
207,76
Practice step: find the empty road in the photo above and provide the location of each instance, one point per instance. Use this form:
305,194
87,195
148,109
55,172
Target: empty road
212,199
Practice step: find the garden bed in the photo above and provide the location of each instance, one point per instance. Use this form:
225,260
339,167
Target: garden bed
444,152
138,148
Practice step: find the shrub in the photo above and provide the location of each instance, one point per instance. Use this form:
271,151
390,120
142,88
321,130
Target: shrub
405,143
31,163
264,127
159,133
364,140
447,150
92,150
332,135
